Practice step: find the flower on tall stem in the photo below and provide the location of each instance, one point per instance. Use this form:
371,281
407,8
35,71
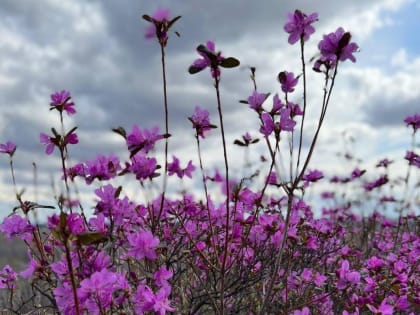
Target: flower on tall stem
61,102
160,25
8,148
211,58
335,47
299,26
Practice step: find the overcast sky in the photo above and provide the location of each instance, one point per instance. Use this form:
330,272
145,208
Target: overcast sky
97,51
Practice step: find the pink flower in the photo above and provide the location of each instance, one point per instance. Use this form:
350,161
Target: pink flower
288,81
256,100
159,17
313,176
335,47
212,59
413,121
383,309
268,125
61,102
143,245
201,121
15,225
7,278
303,311
175,168
299,26
8,148
142,140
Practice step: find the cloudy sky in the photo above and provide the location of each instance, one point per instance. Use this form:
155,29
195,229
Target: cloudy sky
97,51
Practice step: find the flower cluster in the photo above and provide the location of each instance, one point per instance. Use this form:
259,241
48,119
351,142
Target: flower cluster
259,247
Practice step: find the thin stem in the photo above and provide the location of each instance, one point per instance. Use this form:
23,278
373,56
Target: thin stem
302,43
213,242
225,249
165,100
326,99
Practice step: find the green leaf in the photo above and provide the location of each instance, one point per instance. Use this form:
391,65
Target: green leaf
194,70
91,238
147,18
173,21
121,131
229,63
240,143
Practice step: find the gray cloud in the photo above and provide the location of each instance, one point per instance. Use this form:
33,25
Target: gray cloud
97,50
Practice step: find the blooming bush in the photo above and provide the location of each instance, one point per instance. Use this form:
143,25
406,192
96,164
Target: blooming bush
261,250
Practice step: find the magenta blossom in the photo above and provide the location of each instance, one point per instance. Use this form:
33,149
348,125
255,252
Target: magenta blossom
61,102
143,245
256,100
212,59
413,158
313,176
142,140
413,121
8,148
286,122
7,278
160,23
59,141
335,47
288,81
143,167
299,26
201,121
268,125
15,225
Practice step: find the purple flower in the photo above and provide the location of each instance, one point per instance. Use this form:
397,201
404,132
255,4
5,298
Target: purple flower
412,158
162,276
201,121
268,125
47,141
159,17
8,148
59,141
102,168
160,23
335,47
15,225
288,81
65,300
146,300
143,167
76,223
61,102
143,245
299,26
413,121
142,140
7,278
211,58
31,268
357,173
313,176
384,163
97,292
303,311
345,276
286,122
175,168
382,180
383,309
256,100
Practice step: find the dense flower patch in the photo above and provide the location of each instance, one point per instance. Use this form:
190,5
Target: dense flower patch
259,251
